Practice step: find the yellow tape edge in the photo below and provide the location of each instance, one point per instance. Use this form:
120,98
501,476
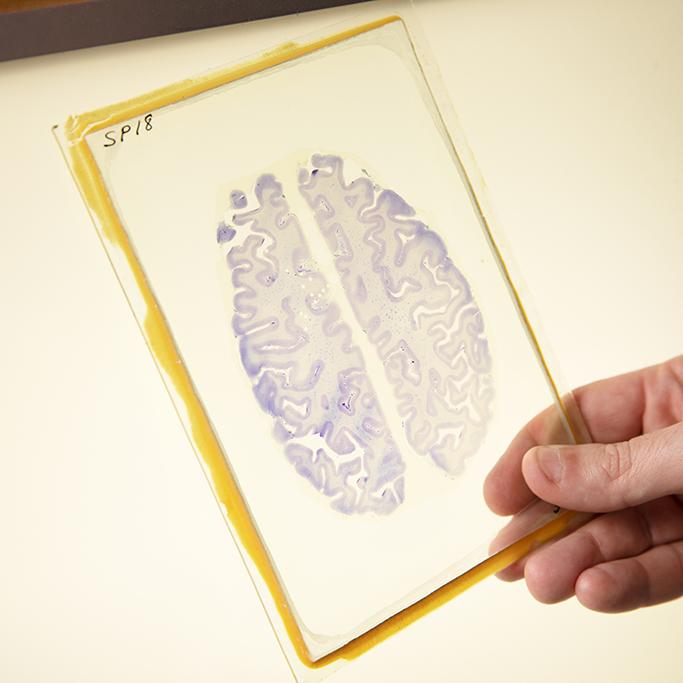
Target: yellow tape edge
97,119
166,354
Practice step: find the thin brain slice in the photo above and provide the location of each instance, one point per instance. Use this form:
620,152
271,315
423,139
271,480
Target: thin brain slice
304,369
415,306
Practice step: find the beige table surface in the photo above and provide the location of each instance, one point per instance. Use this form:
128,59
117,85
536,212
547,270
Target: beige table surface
115,562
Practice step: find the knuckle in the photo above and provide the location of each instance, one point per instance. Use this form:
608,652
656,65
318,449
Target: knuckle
642,588
593,545
618,466
677,550
644,533
618,460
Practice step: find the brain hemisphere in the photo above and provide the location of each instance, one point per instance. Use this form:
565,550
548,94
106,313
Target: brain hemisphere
414,305
303,367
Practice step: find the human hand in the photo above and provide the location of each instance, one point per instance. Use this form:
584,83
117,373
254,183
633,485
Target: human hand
632,555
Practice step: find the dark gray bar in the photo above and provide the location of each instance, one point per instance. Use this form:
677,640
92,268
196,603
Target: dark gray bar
98,22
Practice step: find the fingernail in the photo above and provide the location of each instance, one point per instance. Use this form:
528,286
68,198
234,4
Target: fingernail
550,463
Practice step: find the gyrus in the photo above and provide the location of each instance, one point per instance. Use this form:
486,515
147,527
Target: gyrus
304,369
415,306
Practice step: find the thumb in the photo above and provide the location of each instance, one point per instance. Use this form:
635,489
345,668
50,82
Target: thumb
603,477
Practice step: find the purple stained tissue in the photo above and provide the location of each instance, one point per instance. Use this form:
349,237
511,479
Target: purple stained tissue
415,306
304,368
408,297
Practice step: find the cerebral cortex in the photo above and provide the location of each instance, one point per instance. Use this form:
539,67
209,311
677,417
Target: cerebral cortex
408,298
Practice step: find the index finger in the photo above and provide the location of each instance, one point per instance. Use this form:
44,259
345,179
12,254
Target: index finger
612,410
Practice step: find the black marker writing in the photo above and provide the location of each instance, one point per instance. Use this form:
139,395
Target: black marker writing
119,135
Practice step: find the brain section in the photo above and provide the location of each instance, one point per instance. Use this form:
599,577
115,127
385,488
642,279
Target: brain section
408,298
415,306
303,366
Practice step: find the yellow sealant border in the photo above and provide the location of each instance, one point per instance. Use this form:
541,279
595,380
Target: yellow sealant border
165,352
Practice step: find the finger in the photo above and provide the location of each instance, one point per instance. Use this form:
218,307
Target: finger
523,523
606,477
505,490
552,572
654,577
612,410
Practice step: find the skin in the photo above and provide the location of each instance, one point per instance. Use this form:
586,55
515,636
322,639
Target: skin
630,554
